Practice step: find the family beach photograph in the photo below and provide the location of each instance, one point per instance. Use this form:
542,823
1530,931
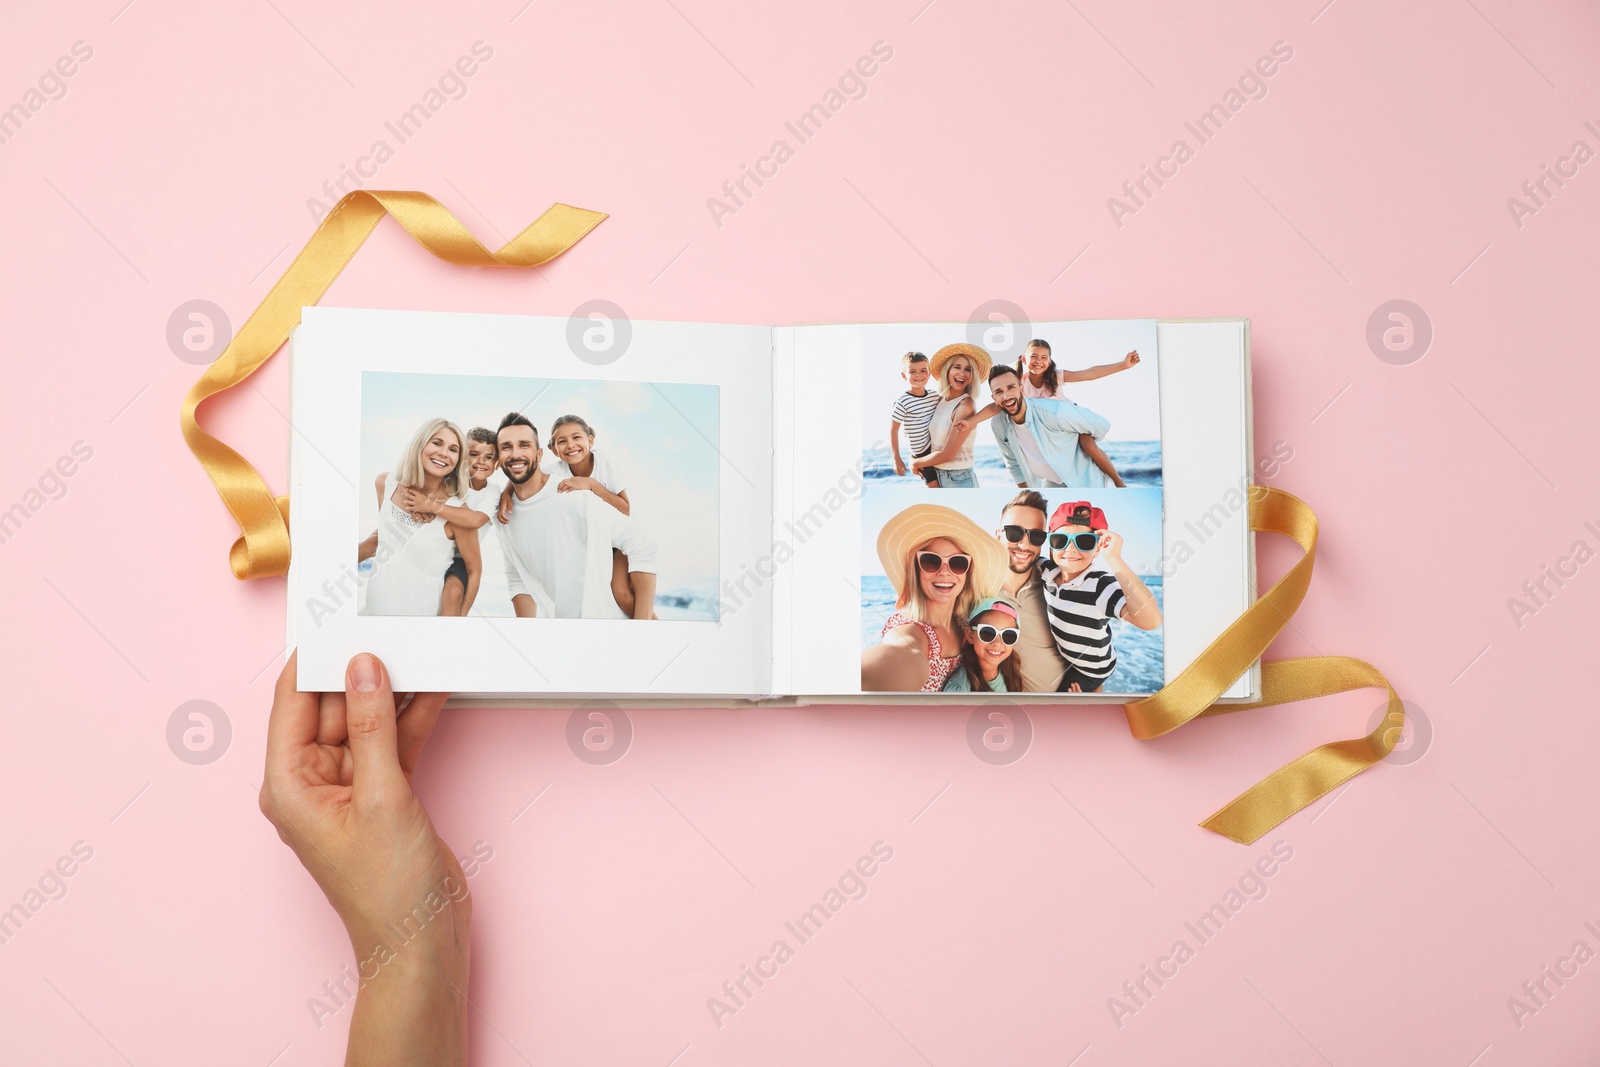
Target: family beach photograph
1012,590
1076,405
537,498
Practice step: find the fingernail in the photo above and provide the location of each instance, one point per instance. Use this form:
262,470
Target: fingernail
363,675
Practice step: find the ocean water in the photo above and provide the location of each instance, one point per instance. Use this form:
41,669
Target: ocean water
1138,462
1139,652
695,603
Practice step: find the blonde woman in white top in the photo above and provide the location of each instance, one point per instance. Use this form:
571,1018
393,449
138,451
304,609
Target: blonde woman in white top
958,368
422,523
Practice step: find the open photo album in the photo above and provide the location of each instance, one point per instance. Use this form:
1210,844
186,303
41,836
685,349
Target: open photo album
532,510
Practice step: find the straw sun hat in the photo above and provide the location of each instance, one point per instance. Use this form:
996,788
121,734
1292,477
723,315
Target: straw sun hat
921,523
981,360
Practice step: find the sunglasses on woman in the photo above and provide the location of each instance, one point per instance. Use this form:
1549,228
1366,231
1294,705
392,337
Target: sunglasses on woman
1084,541
930,562
987,633
1015,534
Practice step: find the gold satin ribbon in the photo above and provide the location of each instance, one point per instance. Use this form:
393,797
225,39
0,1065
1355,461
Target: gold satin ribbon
1193,693
263,548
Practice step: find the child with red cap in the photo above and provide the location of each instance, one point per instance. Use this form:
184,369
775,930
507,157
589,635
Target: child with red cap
1082,599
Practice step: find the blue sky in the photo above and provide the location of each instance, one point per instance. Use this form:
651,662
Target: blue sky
1130,398
1134,513
665,437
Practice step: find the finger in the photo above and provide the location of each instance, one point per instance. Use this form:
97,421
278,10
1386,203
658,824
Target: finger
293,723
416,725
331,725
369,713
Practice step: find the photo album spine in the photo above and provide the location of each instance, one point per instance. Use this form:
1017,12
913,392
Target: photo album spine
782,683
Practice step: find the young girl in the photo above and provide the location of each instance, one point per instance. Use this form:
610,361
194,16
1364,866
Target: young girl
989,658
579,466
959,368
1042,378
421,525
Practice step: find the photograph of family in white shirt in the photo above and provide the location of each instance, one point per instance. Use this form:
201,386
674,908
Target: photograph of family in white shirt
537,498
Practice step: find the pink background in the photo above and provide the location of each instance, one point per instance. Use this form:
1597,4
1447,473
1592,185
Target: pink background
977,166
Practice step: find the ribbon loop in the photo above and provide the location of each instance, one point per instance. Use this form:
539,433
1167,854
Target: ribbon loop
1193,693
263,548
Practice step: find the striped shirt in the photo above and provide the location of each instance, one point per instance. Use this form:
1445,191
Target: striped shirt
1080,613
915,413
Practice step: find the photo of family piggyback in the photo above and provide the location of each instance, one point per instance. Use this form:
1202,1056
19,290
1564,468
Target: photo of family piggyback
1075,406
1011,591
537,498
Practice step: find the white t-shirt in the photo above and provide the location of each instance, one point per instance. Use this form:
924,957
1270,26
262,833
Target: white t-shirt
1039,392
557,549
487,502
487,499
607,472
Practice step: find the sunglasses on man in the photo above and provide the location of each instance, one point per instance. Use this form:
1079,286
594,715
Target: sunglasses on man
1015,534
1084,541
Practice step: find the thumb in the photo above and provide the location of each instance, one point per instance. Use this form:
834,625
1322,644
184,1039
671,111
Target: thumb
370,719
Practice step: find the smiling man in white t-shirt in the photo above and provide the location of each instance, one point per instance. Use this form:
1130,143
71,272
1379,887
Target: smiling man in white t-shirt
557,546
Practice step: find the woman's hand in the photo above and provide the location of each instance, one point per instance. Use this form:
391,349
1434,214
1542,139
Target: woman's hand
338,789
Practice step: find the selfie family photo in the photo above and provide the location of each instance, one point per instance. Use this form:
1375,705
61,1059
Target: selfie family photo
537,498
1012,590
1072,404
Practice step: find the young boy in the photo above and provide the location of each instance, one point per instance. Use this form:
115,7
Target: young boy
914,409
1083,601
483,491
